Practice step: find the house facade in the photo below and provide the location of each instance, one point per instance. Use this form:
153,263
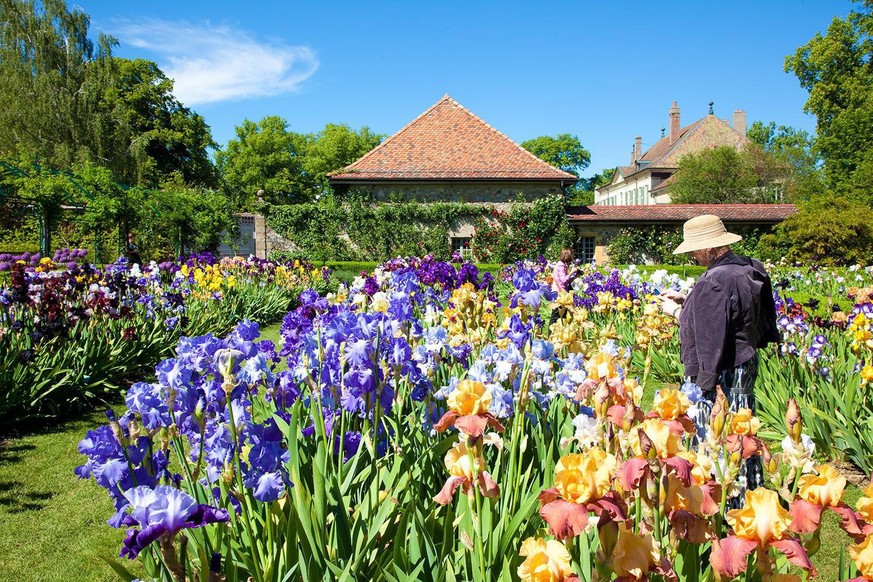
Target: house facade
646,180
596,226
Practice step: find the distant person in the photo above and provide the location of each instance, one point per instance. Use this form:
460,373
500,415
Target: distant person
132,251
726,317
561,280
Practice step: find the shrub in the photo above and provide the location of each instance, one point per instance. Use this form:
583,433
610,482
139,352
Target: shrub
646,245
826,231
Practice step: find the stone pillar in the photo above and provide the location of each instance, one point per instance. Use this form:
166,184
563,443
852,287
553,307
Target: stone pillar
260,237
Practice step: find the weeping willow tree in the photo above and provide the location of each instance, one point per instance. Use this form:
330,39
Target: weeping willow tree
67,100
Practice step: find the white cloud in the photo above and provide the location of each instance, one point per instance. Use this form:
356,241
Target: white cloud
216,63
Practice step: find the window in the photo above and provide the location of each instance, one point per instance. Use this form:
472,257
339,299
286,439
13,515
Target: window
461,245
584,249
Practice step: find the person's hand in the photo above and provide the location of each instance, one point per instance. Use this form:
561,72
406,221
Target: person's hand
670,307
675,296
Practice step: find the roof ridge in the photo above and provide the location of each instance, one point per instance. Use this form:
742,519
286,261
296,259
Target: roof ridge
501,134
392,136
689,129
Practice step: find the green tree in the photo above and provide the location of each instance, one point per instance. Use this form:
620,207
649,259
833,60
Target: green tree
584,192
564,152
289,167
796,164
265,156
47,86
333,148
724,175
161,138
837,70
67,100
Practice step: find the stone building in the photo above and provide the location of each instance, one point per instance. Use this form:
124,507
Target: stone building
596,226
647,179
448,154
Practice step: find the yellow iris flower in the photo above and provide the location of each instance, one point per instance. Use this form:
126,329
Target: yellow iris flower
469,397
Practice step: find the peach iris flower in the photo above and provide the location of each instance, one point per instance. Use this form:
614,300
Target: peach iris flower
545,561
744,423
762,519
581,478
824,489
862,555
634,554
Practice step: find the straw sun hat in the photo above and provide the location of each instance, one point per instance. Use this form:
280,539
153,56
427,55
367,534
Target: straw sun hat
705,232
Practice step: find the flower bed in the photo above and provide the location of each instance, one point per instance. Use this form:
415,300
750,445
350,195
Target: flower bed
71,333
424,431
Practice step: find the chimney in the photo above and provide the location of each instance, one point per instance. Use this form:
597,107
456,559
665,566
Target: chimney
740,122
638,148
674,123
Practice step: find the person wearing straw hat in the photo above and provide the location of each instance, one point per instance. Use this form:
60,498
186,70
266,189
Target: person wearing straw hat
726,317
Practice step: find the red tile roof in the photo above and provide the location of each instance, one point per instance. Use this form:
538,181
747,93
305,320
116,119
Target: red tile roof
447,142
681,212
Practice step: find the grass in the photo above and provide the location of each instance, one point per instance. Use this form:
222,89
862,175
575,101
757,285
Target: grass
53,525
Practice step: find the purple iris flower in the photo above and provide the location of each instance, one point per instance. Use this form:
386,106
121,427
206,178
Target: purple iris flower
358,353
400,307
399,352
172,373
692,391
517,332
524,280
149,401
543,350
351,442
248,330
162,512
371,287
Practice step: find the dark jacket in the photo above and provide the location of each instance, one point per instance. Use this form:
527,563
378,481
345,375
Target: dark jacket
728,314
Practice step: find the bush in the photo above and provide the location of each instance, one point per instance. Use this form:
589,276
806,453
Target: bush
646,245
361,230
526,231
826,231
327,230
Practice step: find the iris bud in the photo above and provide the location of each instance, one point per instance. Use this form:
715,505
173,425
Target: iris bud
718,416
608,535
793,421
602,400
627,420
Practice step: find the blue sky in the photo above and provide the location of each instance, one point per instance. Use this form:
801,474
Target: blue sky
605,71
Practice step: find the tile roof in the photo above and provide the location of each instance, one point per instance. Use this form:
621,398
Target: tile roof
448,142
706,132
681,212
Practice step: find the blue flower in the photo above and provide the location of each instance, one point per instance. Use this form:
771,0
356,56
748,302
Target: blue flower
161,512
501,402
173,373
149,401
692,391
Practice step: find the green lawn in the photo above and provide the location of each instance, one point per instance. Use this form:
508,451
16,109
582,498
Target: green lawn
53,525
